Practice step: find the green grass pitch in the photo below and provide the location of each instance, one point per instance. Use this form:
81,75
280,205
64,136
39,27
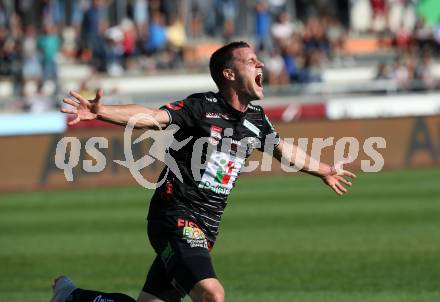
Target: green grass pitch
283,238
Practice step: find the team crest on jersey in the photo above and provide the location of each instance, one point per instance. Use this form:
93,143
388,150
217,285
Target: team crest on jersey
216,135
176,106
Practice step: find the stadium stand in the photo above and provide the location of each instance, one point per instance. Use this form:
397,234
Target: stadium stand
141,51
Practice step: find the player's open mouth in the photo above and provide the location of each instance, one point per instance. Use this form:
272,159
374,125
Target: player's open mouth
259,79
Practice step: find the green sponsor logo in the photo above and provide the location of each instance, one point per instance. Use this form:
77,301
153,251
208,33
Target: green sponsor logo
193,233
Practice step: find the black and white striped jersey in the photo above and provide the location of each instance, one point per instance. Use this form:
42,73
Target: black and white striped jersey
220,138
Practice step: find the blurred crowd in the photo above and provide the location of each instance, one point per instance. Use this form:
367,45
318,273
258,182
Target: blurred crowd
142,36
411,71
296,51
415,42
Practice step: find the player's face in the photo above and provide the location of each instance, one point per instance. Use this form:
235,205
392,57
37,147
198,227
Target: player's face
248,71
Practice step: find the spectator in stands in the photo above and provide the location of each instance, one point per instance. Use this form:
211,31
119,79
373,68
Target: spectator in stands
294,60
227,10
4,66
422,33
11,59
262,26
3,16
27,11
92,40
436,37
315,37
140,15
49,44
9,51
424,72
402,38
360,15
196,22
282,29
128,42
277,6
336,36
69,43
380,16
313,66
76,14
114,51
157,39
53,11
401,14
401,73
176,34
176,39
275,69
31,66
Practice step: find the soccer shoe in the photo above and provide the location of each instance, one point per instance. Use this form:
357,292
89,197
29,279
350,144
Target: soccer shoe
62,288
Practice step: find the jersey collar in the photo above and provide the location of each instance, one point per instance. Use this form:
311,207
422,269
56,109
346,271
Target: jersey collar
229,108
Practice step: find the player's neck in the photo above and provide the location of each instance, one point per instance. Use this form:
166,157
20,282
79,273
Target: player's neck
231,96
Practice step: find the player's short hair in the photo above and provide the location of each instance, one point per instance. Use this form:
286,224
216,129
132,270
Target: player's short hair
221,59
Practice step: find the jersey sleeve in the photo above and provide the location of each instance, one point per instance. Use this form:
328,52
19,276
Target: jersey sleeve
184,113
269,135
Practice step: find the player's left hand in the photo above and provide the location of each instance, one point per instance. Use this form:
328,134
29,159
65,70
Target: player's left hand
335,180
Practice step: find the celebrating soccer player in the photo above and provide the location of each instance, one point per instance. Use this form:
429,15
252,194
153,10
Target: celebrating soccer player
185,211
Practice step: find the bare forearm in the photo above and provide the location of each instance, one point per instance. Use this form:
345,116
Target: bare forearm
87,110
299,158
315,167
294,155
121,114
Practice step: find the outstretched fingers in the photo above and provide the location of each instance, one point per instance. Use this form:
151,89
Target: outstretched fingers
69,110
341,187
343,180
348,173
337,179
336,189
71,102
99,94
78,97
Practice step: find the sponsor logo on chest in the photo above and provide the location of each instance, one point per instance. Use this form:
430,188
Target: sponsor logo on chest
221,171
217,115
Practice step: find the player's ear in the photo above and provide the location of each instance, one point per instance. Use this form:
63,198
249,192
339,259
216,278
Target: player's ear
229,74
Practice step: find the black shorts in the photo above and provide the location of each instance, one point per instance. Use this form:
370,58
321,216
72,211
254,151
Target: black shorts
182,258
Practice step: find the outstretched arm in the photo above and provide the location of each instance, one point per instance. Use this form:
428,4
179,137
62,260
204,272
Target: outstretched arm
331,175
86,110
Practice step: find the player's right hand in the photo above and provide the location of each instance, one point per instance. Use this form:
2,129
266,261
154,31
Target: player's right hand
84,109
